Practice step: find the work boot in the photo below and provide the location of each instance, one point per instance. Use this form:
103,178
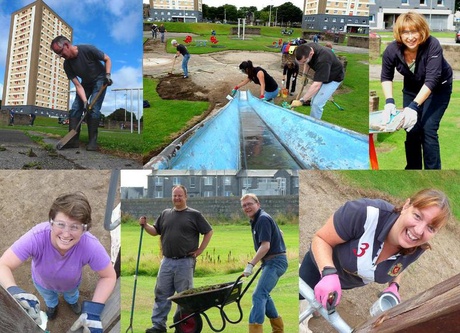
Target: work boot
277,325
75,141
76,308
256,328
51,312
93,125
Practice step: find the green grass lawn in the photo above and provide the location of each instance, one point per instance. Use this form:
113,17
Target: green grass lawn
166,117
223,261
402,184
390,147
113,140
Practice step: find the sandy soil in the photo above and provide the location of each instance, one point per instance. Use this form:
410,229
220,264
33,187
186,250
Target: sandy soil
26,197
321,193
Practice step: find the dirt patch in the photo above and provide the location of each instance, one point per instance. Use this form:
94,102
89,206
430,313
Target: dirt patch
173,87
26,197
321,193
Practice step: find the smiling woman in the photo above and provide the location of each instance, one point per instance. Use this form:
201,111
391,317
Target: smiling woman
42,261
370,240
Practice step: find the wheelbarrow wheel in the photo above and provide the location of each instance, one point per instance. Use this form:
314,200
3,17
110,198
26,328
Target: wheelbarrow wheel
192,325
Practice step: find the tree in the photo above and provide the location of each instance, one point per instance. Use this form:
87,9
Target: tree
287,12
119,115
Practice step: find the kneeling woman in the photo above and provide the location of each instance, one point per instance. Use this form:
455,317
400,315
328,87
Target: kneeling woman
268,86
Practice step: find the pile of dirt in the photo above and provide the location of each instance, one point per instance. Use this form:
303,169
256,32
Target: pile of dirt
173,87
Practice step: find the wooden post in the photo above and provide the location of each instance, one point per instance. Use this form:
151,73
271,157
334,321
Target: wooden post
435,310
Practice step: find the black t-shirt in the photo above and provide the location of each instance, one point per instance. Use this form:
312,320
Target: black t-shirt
87,65
270,83
326,65
182,49
180,231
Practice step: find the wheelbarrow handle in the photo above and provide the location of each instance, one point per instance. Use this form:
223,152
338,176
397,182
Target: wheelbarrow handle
250,281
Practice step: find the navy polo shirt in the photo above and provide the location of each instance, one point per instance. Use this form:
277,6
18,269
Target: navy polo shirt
265,229
364,224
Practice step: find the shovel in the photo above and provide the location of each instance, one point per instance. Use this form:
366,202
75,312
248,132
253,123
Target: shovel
73,132
172,68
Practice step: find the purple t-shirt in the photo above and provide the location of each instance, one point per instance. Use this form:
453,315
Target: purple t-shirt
50,269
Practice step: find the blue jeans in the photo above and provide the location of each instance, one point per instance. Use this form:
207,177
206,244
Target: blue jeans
271,95
262,303
322,96
162,37
51,296
185,64
90,90
175,275
423,138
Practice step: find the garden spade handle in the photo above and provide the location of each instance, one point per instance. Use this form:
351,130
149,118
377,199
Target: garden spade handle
130,328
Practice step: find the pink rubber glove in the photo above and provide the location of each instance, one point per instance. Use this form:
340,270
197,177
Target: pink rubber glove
393,288
329,283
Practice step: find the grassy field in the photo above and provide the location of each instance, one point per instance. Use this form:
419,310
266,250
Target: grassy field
402,184
113,140
223,261
390,147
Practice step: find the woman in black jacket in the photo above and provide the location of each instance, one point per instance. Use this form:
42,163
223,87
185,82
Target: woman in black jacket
426,90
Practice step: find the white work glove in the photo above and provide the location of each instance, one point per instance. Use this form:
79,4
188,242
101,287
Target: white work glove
410,116
389,110
405,119
29,302
282,83
248,269
293,78
90,319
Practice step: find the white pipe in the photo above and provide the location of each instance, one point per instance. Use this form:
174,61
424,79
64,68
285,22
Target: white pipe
334,318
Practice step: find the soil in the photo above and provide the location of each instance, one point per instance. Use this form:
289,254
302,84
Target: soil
26,197
321,193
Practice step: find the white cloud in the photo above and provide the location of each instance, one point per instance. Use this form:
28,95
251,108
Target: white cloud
126,29
125,78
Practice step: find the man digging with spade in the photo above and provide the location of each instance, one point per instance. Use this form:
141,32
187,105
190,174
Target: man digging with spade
329,74
84,62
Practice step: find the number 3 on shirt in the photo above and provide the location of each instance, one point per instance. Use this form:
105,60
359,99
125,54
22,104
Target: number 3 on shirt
362,250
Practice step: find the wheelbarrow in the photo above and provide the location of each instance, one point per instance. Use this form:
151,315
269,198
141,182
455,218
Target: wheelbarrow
194,302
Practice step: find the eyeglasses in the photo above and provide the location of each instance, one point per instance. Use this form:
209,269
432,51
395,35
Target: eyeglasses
249,204
59,53
76,227
407,33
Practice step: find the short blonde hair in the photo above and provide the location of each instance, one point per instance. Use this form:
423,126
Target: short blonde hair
414,21
250,195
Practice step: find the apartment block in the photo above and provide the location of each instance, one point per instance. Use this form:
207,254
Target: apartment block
438,13
337,16
35,81
176,10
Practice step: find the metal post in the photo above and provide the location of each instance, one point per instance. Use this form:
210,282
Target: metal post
270,17
132,113
138,109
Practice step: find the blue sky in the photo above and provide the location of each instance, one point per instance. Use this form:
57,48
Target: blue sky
113,26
